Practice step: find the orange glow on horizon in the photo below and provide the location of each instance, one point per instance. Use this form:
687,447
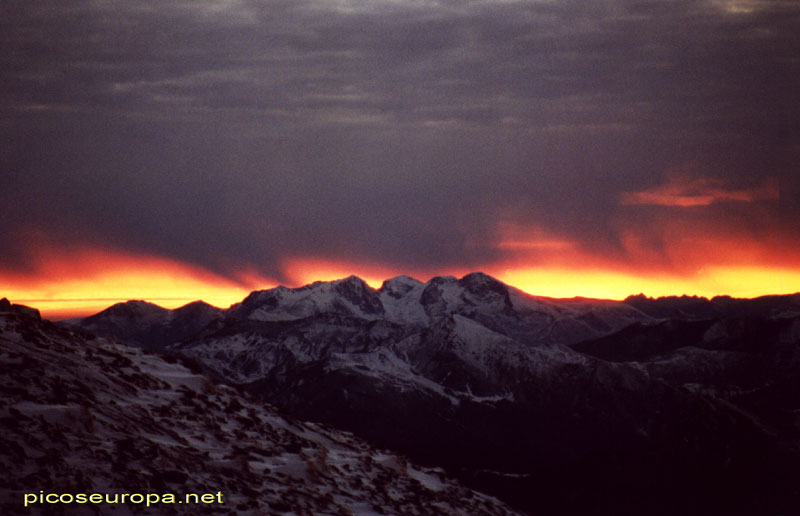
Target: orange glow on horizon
80,283
306,271
74,284
743,281
734,281
661,256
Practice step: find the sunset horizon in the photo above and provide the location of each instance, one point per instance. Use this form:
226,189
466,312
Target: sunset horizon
83,283
576,228
201,150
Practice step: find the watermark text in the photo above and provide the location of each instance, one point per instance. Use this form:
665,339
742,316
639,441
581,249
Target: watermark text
148,499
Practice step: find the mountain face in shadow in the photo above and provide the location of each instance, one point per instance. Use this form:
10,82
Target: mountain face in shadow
667,406
81,414
150,326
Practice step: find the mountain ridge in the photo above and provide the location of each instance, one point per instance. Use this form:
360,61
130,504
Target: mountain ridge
519,395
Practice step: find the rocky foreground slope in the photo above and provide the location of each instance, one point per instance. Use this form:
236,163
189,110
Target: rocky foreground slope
79,414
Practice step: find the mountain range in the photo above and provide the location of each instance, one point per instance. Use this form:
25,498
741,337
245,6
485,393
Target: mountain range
664,406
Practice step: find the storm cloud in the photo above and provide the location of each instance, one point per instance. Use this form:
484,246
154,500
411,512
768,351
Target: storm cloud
238,133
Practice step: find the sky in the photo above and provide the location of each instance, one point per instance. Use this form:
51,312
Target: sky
176,150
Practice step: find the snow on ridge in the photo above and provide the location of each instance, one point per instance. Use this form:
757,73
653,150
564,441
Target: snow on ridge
495,329
400,297
400,281
348,296
387,367
405,301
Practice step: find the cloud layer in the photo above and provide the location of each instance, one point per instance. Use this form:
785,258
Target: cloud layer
690,192
243,134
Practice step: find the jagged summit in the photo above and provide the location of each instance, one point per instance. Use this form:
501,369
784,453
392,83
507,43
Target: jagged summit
196,307
479,278
349,296
133,308
399,285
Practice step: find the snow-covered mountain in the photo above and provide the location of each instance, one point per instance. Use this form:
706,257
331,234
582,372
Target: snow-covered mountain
81,414
414,305
517,394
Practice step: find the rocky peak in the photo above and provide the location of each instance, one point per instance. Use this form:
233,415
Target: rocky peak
8,306
479,282
399,286
356,291
133,308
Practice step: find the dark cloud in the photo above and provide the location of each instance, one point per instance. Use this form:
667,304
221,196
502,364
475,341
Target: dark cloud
239,132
